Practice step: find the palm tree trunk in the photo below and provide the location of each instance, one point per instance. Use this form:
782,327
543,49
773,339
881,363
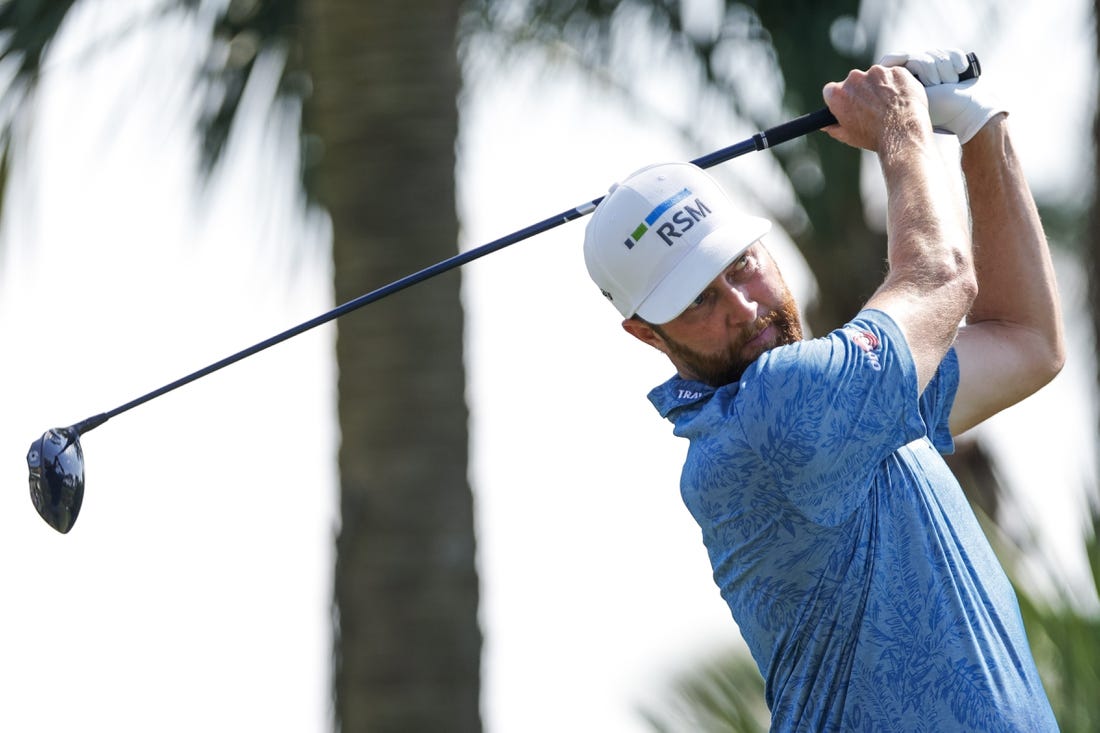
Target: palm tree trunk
407,644
846,256
1091,244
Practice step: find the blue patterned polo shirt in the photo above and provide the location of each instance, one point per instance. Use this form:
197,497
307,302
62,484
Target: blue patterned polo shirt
845,548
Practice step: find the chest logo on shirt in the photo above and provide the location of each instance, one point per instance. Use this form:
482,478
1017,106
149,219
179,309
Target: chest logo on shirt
869,343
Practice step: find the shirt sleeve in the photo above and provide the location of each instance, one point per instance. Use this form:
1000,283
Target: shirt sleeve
937,400
822,414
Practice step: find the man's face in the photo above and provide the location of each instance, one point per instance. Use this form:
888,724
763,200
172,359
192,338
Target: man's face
742,313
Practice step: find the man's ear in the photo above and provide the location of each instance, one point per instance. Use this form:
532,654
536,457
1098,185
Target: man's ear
644,332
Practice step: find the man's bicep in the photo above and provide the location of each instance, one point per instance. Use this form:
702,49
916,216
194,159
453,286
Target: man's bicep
999,365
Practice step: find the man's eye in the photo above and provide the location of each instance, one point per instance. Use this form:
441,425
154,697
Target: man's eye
744,265
699,300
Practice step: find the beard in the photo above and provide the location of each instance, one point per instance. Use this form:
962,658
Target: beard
727,365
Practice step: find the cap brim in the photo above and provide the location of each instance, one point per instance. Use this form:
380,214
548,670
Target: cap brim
699,267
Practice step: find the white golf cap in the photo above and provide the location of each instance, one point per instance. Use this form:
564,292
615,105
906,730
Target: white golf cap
661,236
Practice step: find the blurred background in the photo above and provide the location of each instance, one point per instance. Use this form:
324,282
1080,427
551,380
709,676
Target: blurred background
455,509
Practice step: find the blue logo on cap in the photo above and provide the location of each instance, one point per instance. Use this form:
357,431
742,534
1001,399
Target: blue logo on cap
653,216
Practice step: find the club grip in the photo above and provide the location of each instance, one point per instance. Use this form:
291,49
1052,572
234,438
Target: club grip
973,70
807,123
797,127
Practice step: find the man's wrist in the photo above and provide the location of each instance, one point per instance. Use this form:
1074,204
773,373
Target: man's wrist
995,129
994,126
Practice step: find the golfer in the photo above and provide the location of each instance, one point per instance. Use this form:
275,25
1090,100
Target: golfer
845,548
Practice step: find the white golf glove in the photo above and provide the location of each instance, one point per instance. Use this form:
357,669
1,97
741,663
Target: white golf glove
955,107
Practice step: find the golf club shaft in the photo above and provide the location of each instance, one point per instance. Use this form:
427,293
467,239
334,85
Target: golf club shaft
761,140
772,136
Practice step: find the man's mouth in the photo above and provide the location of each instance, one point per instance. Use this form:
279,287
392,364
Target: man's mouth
762,339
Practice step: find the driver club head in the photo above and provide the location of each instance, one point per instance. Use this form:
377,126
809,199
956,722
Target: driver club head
56,465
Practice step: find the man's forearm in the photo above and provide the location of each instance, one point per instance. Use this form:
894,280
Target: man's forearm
1012,343
1016,283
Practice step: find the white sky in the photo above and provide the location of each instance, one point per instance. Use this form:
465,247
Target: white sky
194,592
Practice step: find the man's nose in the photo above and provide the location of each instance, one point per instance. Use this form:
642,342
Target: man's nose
740,306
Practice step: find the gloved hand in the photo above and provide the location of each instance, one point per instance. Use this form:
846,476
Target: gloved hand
954,107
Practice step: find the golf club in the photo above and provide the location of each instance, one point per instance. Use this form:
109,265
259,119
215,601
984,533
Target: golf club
56,460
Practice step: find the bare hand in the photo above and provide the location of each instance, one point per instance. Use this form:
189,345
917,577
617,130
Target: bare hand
876,108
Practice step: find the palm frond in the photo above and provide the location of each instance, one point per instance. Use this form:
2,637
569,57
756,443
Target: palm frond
242,33
1066,646
28,28
722,695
